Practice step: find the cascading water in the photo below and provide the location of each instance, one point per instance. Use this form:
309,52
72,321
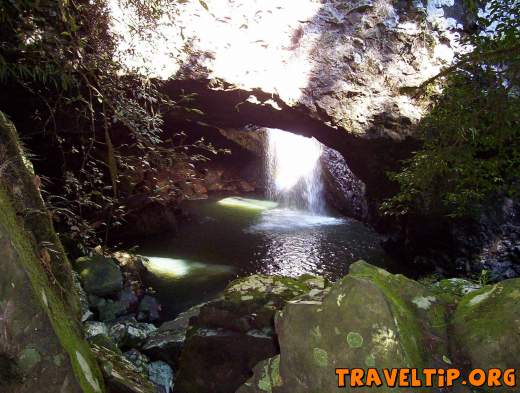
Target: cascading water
294,170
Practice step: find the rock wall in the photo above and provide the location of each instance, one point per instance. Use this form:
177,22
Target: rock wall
350,64
41,344
344,72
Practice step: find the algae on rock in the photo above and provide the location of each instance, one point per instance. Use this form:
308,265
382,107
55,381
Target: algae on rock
370,318
41,336
486,328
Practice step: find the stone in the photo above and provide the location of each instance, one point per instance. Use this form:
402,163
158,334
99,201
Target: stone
128,298
99,275
322,59
132,266
105,341
345,192
370,318
109,309
148,309
161,375
93,328
140,361
120,373
167,342
232,333
457,286
42,348
86,314
129,333
485,328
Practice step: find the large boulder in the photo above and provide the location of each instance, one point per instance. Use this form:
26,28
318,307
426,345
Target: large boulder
345,192
344,72
167,342
231,334
99,275
41,346
485,328
370,318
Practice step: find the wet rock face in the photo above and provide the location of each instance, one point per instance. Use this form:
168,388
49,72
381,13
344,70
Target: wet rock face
345,192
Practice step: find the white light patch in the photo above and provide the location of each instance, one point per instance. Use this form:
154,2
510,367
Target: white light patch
292,158
169,267
247,203
172,268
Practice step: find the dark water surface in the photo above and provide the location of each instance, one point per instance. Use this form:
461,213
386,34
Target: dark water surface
233,237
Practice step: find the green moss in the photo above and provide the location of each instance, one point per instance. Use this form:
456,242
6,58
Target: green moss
260,289
28,358
270,377
18,181
321,357
51,299
400,290
354,340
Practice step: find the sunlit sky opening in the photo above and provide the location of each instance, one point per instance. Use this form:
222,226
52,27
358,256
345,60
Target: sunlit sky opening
252,42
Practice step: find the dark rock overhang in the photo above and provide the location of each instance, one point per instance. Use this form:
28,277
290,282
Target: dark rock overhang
222,105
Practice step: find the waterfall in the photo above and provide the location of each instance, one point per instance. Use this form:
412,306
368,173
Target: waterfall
294,170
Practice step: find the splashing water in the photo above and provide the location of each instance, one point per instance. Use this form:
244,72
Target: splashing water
294,170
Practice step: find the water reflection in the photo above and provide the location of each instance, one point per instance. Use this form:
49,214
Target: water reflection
295,242
290,254
237,237
291,220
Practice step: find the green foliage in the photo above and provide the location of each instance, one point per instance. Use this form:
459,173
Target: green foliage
471,136
100,121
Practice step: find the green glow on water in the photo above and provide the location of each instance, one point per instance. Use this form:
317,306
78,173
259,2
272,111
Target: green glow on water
172,268
247,203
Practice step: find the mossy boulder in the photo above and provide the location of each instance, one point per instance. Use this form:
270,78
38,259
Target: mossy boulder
99,275
234,332
486,328
41,346
370,318
456,286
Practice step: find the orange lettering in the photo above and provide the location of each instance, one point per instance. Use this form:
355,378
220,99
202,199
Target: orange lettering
373,378
403,377
477,377
452,375
510,377
416,382
390,377
494,377
341,372
356,377
429,373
